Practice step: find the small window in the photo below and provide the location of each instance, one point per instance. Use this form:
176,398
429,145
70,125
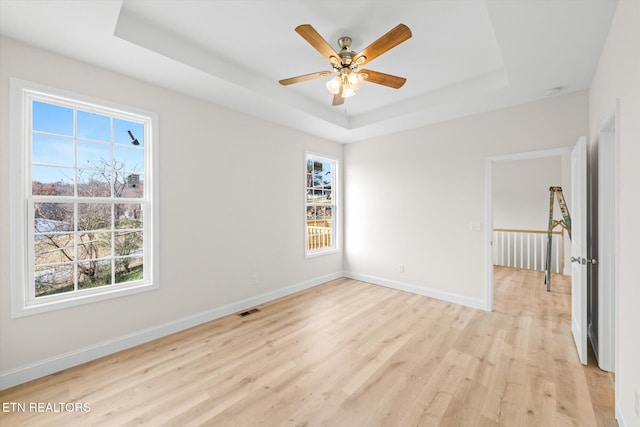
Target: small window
89,210
321,205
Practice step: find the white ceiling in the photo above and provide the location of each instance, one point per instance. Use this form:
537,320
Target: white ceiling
465,57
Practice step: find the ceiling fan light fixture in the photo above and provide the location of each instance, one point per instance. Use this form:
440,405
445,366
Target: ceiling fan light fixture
334,84
355,80
348,92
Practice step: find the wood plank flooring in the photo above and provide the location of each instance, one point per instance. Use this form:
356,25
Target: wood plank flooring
347,353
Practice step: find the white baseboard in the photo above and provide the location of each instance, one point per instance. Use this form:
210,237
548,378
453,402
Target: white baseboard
60,362
427,292
622,421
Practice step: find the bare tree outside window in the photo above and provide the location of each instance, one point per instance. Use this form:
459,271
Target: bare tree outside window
87,187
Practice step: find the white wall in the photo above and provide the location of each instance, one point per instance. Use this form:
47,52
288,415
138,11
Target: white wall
412,197
618,76
521,192
231,205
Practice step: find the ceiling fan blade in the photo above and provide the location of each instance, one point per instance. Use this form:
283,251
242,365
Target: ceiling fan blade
390,40
304,78
315,39
383,79
337,98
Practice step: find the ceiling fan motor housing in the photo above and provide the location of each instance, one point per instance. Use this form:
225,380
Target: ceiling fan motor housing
346,54
344,42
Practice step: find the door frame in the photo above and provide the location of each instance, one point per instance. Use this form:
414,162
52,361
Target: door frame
608,240
489,162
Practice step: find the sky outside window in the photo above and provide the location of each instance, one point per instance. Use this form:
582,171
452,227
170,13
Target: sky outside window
91,145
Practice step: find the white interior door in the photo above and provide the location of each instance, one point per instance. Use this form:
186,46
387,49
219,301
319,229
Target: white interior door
579,247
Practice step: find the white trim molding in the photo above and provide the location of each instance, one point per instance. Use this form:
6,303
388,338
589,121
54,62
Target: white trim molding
478,303
622,421
604,339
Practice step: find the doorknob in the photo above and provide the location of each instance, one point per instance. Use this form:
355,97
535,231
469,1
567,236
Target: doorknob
573,259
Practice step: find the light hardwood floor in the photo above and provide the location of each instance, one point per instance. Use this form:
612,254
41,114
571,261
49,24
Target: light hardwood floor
348,353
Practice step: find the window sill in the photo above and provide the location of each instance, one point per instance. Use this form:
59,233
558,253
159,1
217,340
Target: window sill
321,252
46,305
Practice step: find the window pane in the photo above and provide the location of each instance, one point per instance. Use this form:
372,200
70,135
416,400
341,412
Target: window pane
52,217
94,273
93,245
129,269
128,159
328,215
94,126
322,196
52,150
121,130
320,216
130,185
55,279
51,181
326,220
321,174
311,214
94,155
94,216
128,216
92,183
316,195
52,118
128,243
54,248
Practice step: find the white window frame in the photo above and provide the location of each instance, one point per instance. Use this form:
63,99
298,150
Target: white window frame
24,302
335,205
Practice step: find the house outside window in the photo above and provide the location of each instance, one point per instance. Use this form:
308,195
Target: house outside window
321,205
85,211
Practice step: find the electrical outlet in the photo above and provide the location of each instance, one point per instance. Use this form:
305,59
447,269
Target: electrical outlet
254,279
637,404
400,268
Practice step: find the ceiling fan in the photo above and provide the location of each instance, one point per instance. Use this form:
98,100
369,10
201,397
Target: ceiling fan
347,79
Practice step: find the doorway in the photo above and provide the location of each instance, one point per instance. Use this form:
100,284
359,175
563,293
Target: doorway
492,164
604,211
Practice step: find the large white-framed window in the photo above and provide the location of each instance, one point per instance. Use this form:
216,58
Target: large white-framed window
321,204
85,209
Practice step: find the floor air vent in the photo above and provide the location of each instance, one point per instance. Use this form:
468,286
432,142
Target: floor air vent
248,312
